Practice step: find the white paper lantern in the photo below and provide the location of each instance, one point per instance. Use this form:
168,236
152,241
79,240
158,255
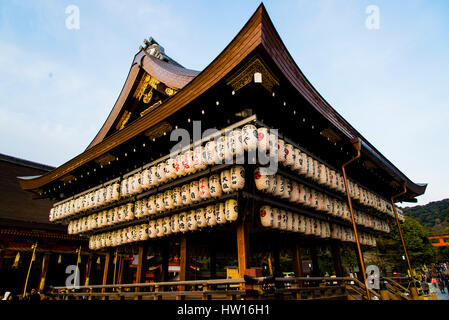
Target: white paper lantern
194,191
237,177
263,141
236,142
166,226
316,170
273,184
146,184
309,165
198,162
289,155
290,221
266,216
281,151
302,194
188,162
284,220
169,168
138,209
143,232
308,225
323,174
185,194
191,221
200,216
160,202
151,204
168,200
182,218
301,227
115,191
138,182
287,189
220,214
294,194
174,223
211,153
203,188
280,186
215,186
297,160
249,137
221,149
159,227
321,202
179,165
277,218
231,210
160,173
152,229
225,181
177,198
261,180
210,215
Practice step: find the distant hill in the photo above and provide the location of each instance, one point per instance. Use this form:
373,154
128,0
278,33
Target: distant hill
434,216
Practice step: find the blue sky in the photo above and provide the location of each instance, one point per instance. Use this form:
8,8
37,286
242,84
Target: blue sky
57,86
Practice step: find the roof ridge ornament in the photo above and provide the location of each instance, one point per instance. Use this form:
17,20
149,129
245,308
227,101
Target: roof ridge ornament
154,49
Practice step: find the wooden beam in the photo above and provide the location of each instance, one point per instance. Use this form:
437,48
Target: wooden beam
336,257
44,269
242,246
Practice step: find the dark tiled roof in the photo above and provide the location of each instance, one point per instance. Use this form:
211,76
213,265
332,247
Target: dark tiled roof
16,204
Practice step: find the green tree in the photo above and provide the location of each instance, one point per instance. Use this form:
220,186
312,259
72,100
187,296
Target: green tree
419,248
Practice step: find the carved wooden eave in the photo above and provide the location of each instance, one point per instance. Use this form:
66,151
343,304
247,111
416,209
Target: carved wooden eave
247,73
257,37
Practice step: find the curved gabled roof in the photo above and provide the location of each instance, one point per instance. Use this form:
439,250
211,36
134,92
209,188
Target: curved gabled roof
258,33
171,73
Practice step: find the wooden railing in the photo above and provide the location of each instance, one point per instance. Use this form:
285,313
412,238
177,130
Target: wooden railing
345,288
179,290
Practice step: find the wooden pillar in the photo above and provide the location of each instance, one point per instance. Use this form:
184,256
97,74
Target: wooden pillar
184,257
142,266
44,269
297,260
88,269
106,269
242,246
336,257
120,269
315,268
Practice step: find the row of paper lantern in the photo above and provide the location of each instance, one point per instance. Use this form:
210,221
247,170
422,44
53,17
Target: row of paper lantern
213,152
236,142
192,220
275,218
311,168
205,188
292,191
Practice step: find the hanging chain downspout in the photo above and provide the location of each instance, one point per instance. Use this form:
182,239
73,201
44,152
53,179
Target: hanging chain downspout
357,145
400,231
